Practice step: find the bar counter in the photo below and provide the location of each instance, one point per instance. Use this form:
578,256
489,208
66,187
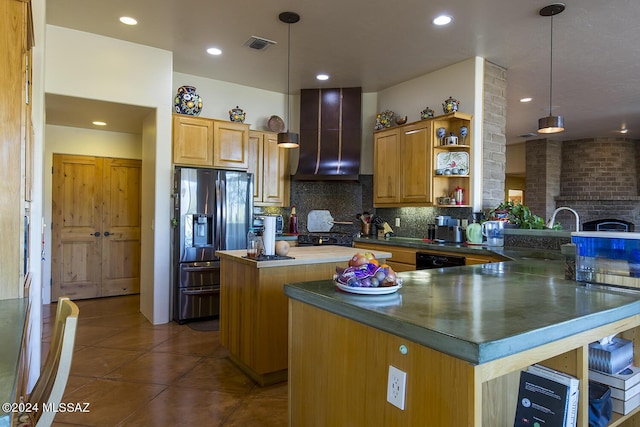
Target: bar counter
461,334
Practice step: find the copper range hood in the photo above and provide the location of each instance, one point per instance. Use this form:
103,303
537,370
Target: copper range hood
330,134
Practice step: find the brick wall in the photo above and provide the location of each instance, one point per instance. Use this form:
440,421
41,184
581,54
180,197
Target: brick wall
542,175
494,155
600,168
597,177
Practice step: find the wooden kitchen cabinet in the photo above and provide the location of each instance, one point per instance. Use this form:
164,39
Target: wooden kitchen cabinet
16,137
192,141
270,166
230,145
386,167
203,142
402,157
406,158
415,155
404,258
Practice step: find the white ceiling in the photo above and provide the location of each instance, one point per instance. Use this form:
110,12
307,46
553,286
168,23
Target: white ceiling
376,44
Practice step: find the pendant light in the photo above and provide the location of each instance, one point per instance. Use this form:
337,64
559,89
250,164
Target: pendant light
288,139
551,123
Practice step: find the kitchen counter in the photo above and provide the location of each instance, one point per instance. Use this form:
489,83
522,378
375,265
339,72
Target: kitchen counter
254,309
12,321
479,313
301,255
506,252
461,334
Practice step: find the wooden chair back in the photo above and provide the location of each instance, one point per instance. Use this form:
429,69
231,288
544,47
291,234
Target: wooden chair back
53,379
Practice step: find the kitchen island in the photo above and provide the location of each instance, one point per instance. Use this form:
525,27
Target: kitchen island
253,307
461,334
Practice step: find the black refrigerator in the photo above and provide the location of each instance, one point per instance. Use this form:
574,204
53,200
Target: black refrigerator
213,210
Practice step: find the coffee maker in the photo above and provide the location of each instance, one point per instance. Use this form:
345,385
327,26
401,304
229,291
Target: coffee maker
448,229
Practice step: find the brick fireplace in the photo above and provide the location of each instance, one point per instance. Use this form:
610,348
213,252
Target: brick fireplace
597,177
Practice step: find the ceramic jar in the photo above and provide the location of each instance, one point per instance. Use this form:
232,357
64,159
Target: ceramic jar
237,115
450,105
427,113
187,101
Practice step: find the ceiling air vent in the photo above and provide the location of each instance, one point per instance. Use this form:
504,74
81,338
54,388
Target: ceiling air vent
258,43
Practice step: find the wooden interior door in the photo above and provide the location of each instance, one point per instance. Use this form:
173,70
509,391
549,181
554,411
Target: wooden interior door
95,226
121,227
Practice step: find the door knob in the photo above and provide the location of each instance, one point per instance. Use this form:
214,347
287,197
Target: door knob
97,234
107,234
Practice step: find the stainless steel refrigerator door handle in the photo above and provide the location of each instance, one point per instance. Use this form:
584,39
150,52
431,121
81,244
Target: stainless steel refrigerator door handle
197,269
201,292
220,211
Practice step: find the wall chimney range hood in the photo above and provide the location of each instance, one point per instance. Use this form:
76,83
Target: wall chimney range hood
330,134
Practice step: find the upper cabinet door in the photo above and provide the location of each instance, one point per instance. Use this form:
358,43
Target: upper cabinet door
386,168
192,141
415,154
231,145
275,172
255,163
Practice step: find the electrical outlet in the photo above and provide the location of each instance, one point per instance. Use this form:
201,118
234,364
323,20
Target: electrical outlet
398,222
396,387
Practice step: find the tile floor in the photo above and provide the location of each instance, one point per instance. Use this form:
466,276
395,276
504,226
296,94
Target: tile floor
136,374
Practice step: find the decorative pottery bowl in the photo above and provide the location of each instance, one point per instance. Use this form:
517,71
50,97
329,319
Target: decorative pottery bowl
187,101
401,120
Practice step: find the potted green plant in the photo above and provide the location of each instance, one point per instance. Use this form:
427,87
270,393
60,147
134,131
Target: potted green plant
519,216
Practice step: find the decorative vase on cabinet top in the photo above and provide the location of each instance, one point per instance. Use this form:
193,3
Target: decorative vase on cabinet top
237,115
187,101
450,105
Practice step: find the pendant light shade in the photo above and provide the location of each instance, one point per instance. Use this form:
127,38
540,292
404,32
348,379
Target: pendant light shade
288,139
551,123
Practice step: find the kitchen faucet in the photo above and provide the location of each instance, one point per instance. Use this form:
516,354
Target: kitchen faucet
553,217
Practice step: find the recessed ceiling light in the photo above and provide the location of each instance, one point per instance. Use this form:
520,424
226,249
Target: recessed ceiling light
526,100
214,51
442,20
128,20
98,123
322,77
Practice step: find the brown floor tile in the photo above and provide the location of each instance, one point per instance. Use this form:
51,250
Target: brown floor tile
123,320
177,406
136,338
217,374
99,361
155,368
259,412
134,373
109,401
92,335
193,343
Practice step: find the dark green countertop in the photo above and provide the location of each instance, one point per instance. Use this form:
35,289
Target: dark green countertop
479,313
12,321
508,253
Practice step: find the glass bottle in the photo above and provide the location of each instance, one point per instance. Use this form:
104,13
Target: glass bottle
293,221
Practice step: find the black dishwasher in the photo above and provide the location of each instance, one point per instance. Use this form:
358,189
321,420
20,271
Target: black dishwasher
426,261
